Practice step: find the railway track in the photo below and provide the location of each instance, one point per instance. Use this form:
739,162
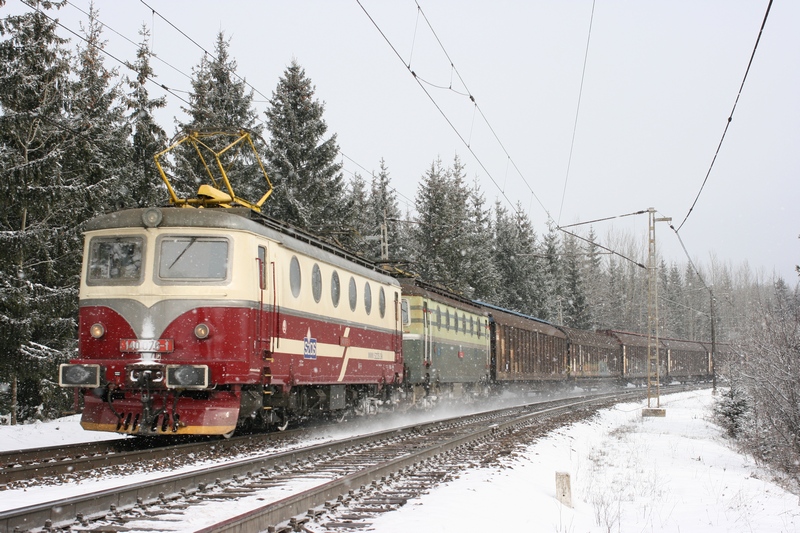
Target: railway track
23,468
334,483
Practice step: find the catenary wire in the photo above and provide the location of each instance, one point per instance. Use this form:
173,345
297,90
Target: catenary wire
109,54
730,117
577,113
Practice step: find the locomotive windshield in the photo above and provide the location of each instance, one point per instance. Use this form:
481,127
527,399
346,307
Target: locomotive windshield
115,261
193,258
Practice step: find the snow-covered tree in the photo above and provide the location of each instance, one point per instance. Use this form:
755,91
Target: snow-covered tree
574,307
309,189
220,103
480,273
39,205
145,187
440,237
515,259
100,156
383,209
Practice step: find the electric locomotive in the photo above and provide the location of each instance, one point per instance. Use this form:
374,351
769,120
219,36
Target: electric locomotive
205,317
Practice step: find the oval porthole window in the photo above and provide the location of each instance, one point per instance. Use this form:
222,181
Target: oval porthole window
294,276
438,317
353,294
382,302
447,319
367,297
336,288
316,283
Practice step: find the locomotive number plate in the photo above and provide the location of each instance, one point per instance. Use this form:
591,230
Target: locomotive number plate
146,345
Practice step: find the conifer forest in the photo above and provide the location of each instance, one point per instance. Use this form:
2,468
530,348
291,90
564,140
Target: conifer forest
77,139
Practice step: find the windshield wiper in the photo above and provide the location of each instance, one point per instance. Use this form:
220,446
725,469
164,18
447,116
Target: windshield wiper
191,242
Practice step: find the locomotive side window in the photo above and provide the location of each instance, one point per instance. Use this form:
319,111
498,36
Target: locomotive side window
367,297
294,276
353,294
404,311
336,288
115,261
193,258
447,319
316,283
382,302
438,317
262,268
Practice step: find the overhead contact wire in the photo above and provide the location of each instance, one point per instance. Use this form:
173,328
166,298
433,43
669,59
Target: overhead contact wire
577,113
730,117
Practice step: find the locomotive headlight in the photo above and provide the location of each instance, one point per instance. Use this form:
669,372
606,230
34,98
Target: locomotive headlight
152,217
79,375
97,330
187,376
201,331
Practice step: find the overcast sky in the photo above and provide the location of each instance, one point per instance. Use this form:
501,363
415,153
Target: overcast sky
660,81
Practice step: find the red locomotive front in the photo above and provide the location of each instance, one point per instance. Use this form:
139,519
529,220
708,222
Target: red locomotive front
196,321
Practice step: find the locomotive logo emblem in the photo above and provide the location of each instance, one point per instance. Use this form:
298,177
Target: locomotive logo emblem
309,346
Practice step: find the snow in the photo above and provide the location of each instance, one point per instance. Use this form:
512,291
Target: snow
627,473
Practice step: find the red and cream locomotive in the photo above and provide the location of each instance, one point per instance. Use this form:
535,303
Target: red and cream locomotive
202,320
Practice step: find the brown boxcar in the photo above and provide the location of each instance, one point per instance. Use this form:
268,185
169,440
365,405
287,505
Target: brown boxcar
592,354
524,348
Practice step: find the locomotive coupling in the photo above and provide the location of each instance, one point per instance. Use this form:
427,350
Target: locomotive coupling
167,376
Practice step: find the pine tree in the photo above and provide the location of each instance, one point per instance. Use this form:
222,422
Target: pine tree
220,103
480,274
515,259
440,237
383,209
553,277
361,235
309,189
145,184
595,280
576,312
100,156
39,233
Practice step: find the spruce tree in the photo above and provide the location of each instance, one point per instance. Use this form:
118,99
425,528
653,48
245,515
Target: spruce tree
220,103
553,276
440,237
517,264
480,274
100,156
595,279
360,237
576,312
40,242
145,185
309,190
383,208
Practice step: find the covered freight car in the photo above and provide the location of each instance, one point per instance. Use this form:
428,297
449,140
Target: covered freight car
633,348
592,355
688,360
525,349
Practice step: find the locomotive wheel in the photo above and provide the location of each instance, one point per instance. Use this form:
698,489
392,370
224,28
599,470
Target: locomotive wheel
229,434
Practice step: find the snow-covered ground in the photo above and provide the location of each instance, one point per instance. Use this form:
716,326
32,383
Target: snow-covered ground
628,474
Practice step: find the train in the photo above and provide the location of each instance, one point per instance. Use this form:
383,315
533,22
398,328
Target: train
208,320
206,317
